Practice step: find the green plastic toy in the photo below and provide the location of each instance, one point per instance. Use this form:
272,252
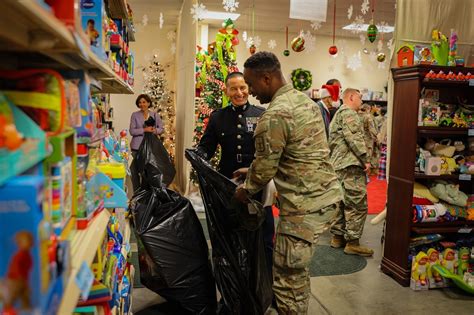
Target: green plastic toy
458,280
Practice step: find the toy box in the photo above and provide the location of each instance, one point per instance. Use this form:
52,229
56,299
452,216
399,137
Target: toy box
29,265
62,194
423,55
405,56
93,16
429,113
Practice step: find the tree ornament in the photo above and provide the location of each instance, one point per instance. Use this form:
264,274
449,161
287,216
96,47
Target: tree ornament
381,57
252,49
297,44
372,32
333,50
286,52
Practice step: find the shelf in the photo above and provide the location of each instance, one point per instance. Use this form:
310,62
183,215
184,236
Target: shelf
38,33
447,83
84,244
441,177
442,131
118,9
442,227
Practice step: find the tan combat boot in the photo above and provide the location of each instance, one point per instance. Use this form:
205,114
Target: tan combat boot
354,248
338,241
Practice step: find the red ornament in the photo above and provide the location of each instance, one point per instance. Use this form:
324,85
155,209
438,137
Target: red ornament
235,41
333,50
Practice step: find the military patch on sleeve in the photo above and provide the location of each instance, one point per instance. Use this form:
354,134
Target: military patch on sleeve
260,144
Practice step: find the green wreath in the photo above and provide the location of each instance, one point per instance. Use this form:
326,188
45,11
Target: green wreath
302,79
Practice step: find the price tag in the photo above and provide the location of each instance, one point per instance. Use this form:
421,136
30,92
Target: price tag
465,177
470,132
471,82
84,280
465,230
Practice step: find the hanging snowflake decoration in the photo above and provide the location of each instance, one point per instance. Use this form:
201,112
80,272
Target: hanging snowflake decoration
145,20
173,48
331,68
382,27
244,36
379,45
350,10
257,41
315,25
381,65
230,5
362,39
364,8
390,45
249,42
354,62
162,20
358,24
309,41
171,35
197,11
272,44
373,56
341,46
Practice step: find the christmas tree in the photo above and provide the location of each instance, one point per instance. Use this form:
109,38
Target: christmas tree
212,68
163,101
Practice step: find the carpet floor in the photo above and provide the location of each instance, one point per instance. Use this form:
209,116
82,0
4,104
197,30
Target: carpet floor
376,195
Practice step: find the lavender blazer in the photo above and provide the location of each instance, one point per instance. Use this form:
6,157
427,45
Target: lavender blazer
136,127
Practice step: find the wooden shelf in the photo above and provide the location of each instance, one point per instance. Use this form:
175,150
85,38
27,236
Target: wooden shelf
441,177
442,227
442,131
38,33
84,244
447,83
118,9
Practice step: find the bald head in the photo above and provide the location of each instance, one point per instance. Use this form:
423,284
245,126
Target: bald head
352,98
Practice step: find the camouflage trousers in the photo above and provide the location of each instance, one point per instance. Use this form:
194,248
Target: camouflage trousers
350,219
296,239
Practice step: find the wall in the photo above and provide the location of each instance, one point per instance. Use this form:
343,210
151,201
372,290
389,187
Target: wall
322,66
150,40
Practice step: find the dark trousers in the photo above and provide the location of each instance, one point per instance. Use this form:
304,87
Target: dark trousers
268,236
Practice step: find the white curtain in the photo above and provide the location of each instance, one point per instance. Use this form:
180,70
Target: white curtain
185,63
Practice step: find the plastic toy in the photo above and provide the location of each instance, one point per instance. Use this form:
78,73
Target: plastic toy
10,138
453,47
449,260
419,271
458,280
405,56
433,275
440,48
464,257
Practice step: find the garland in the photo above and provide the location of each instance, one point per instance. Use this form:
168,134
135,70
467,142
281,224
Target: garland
302,79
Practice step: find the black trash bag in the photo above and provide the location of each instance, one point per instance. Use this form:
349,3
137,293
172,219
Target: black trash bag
172,249
238,253
152,156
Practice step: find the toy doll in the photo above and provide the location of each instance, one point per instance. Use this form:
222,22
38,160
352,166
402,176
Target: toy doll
449,260
464,258
433,256
15,284
420,268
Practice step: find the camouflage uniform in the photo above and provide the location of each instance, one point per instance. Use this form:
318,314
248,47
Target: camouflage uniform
370,137
349,156
291,148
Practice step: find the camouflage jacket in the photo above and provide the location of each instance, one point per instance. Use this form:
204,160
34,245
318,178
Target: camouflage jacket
346,140
291,147
370,132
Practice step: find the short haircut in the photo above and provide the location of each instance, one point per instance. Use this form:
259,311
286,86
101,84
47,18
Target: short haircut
263,61
349,91
332,81
91,21
233,75
144,96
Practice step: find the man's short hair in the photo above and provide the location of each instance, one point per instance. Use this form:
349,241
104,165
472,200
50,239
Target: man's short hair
332,81
263,61
233,75
349,91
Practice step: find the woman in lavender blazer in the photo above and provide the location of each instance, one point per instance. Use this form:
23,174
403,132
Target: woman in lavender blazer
138,129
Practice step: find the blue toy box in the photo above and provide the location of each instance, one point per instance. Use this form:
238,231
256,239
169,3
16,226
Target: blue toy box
29,270
93,14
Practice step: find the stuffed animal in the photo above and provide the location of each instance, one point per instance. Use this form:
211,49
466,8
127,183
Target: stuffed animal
449,193
464,257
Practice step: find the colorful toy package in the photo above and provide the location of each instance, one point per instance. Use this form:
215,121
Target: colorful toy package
93,15
30,265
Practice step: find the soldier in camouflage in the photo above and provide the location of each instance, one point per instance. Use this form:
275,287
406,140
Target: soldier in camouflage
370,135
291,148
351,162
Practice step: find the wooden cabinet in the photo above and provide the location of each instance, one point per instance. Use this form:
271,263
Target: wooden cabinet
409,83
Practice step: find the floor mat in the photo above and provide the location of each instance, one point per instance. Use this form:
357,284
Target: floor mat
328,261
376,195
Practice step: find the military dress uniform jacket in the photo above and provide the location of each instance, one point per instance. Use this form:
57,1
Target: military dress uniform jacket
346,140
232,128
291,147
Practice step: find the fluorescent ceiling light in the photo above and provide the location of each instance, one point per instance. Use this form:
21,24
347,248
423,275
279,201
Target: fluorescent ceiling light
310,10
363,27
215,15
